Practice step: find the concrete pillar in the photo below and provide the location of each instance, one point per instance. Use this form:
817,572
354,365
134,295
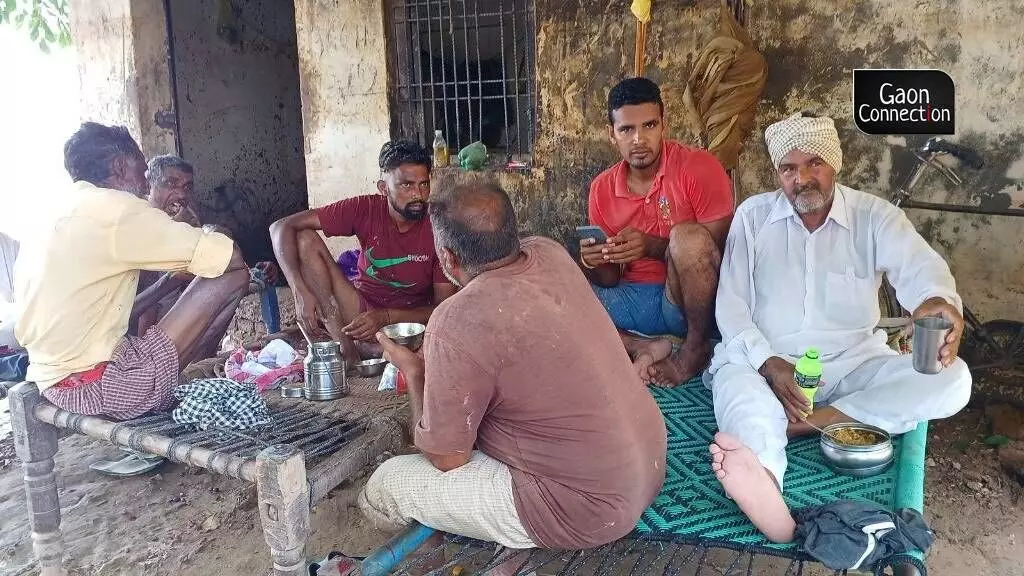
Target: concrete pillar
344,81
122,62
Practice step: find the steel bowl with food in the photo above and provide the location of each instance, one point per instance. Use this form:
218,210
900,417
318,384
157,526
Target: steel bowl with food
408,334
855,449
370,368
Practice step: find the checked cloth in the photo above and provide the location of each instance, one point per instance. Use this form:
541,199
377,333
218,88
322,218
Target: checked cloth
220,403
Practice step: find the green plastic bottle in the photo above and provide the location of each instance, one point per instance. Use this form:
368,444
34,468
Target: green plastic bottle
808,374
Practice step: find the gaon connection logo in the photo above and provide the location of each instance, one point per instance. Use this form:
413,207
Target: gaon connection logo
904,102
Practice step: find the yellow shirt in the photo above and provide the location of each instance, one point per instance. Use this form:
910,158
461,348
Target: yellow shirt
77,275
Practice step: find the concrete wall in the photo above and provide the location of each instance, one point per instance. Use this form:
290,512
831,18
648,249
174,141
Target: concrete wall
240,114
121,50
344,97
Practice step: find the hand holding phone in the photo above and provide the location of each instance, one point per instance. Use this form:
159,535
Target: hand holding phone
592,232
592,241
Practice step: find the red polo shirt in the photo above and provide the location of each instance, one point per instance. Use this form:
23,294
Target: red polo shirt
690,186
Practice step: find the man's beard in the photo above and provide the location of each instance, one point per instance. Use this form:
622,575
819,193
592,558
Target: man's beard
450,276
414,210
642,164
809,198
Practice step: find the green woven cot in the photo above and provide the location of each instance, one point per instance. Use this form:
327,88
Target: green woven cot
693,508
692,517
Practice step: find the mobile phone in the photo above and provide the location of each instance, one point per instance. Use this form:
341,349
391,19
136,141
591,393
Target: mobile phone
594,232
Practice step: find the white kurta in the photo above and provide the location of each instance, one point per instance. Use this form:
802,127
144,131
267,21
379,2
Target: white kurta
784,289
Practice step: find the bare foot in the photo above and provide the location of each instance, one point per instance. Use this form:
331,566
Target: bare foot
681,366
646,353
752,487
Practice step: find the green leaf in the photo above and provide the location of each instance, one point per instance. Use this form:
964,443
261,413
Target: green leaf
44,21
997,440
44,47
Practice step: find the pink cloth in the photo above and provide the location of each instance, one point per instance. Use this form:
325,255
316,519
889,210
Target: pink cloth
272,379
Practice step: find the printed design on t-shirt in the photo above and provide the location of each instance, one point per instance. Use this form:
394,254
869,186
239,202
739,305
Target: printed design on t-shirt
665,208
375,265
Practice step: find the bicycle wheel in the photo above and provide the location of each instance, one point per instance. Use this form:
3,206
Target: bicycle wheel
1003,347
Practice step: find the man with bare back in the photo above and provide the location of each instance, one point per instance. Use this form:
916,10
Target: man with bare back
77,277
666,209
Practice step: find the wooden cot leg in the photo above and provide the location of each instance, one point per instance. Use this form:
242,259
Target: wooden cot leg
35,442
284,507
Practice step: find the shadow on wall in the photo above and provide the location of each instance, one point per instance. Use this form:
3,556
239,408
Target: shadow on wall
241,210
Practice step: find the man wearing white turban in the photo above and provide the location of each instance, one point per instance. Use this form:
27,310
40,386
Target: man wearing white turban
801,269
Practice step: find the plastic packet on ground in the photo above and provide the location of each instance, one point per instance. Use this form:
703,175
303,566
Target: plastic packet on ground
389,379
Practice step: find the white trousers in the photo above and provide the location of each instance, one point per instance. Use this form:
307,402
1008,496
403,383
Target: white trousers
472,500
875,386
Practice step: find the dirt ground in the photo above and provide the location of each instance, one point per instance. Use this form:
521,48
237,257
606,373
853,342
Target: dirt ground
184,521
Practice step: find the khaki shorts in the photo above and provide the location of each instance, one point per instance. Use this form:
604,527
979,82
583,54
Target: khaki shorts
473,500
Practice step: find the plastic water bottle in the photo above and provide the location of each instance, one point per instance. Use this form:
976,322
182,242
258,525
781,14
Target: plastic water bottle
808,375
440,150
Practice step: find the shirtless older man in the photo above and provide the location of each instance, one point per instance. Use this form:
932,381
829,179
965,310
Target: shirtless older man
801,269
171,185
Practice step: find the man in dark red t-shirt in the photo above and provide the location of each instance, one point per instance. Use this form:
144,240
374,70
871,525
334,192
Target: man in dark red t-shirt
666,209
400,279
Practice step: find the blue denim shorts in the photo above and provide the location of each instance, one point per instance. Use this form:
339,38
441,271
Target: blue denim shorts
643,308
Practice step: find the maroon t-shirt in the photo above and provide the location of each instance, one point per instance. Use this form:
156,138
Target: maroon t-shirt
524,364
396,269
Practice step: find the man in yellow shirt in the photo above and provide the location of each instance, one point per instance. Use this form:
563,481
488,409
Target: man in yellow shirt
77,276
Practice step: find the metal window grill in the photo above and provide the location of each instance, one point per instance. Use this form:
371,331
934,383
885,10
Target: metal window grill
464,67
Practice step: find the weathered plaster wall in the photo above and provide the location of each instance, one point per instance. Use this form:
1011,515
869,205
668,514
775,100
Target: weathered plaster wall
583,49
585,46
240,114
121,49
344,96
812,50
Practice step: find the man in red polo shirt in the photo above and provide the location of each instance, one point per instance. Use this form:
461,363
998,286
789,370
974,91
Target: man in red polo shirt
666,209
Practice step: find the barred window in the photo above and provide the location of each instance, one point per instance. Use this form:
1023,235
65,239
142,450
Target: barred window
465,67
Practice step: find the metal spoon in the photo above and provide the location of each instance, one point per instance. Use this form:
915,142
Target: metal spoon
829,434
306,336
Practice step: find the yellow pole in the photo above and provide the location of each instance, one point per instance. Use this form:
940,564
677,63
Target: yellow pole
642,10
